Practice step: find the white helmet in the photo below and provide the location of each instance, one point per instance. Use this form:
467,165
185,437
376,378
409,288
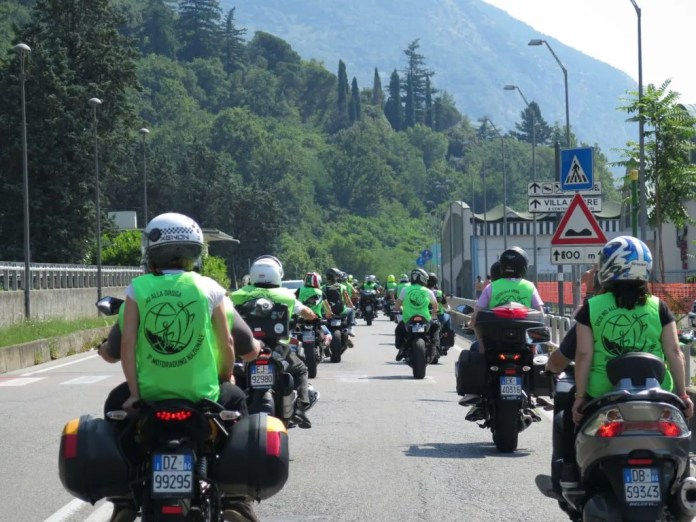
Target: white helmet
172,238
266,270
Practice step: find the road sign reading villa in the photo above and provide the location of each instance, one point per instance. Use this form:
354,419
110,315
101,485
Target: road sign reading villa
561,203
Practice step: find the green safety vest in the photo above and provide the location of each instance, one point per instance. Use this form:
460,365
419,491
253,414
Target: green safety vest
176,350
617,331
391,286
400,287
511,291
416,302
440,306
283,296
307,292
369,286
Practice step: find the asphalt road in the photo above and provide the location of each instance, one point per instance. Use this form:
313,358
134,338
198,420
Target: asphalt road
384,447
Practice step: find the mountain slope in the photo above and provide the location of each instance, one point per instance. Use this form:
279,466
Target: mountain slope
473,48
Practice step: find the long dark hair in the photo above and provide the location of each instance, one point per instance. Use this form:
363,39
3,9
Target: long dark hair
628,294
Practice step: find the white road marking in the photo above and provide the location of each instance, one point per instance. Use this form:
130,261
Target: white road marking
86,379
102,514
19,381
60,366
67,511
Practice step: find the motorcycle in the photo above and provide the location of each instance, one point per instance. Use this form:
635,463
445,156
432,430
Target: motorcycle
633,449
388,307
420,350
338,325
506,375
368,305
310,334
174,460
269,387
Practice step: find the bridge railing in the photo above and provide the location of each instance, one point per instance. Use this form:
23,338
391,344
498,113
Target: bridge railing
46,276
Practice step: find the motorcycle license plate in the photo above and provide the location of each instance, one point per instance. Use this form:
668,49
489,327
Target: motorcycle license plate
261,376
641,486
335,322
418,328
172,474
368,308
510,387
308,336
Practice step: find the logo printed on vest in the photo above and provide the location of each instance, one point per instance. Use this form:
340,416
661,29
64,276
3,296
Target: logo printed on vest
418,299
169,330
625,333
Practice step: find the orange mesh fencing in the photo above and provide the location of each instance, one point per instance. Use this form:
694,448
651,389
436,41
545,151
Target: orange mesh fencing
678,296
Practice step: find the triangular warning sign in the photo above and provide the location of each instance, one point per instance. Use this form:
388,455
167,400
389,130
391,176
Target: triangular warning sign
578,226
576,174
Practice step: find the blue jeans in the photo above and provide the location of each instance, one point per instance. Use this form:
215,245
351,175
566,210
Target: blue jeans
445,321
350,315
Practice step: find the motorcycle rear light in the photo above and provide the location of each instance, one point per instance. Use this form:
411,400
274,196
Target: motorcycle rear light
510,371
640,462
610,429
669,429
516,357
70,439
502,356
510,313
172,510
173,415
273,443
261,362
258,334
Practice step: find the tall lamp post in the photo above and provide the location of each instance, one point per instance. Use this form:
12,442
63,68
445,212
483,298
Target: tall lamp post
641,137
22,50
94,103
534,170
144,132
534,42
502,145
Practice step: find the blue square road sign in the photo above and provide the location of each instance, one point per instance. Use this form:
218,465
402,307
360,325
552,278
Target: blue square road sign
577,169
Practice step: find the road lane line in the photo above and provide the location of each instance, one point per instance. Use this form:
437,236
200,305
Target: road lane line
19,381
103,514
67,511
86,379
59,366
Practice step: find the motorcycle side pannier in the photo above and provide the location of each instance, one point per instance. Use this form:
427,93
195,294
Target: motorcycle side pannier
254,461
90,463
471,373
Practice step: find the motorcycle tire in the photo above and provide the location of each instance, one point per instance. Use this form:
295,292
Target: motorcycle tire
368,320
418,360
336,348
311,359
505,432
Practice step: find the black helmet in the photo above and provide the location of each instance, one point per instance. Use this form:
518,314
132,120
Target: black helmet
333,275
419,277
432,279
495,271
513,262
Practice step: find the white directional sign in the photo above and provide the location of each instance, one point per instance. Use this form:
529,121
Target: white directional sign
554,188
575,255
561,203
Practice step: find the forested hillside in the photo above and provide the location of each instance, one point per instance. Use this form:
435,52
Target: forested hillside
245,136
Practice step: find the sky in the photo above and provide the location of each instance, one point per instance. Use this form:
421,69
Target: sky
608,31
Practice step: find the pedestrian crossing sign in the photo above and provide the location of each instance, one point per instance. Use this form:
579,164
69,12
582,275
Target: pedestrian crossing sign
577,171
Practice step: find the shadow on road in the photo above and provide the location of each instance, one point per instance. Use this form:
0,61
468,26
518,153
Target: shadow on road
464,450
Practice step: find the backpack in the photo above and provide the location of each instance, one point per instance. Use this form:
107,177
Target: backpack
335,298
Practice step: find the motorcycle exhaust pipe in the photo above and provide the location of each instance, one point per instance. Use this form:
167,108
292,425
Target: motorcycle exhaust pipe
687,496
525,421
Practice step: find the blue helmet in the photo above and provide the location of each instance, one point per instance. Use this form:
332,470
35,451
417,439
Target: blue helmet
625,258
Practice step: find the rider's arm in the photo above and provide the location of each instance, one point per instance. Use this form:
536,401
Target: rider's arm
675,358
434,306
131,319
245,346
327,308
304,311
347,300
583,359
225,343
557,362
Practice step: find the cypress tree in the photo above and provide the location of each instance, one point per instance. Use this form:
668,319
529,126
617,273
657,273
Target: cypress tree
377,94
342,98
354,105
393,109
418,73
428,120
158,32
409,104
199,28
233,51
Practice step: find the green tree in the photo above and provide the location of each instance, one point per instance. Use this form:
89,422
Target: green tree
233,47
158,30
670,179
354,103
77,54
393,109
377,94
428,118
199,28
122,248
445,113
524,127
417,75
409,104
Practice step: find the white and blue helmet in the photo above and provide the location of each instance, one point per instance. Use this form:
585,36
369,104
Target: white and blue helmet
625,258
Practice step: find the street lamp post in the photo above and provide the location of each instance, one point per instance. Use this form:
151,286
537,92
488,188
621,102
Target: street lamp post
94,103
576,294
485,220
534,169
641,137
22,50
144,132
502,145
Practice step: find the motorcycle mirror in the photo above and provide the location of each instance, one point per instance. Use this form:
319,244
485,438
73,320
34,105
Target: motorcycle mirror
109,305
464,309
540,334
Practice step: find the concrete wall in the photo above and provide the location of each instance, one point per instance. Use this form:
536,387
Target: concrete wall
65,303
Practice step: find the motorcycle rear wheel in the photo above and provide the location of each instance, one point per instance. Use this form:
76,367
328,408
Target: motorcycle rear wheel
505,432
311,360
418,361
336,348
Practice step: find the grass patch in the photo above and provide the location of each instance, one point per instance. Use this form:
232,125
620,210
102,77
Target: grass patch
34,330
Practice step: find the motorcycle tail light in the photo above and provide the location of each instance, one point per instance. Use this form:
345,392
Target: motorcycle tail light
608,423
669,429
510,313
261,362
258,333
510,371
173,415
172,510
516,357
502,356
610,429
640,462
70,439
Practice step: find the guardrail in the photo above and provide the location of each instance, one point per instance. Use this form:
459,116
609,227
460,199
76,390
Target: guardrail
46,276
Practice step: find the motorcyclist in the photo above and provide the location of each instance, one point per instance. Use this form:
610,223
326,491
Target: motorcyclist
625,264
391,287
442,307
339,299
266,274
369,287
403,282
416,299
312,296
